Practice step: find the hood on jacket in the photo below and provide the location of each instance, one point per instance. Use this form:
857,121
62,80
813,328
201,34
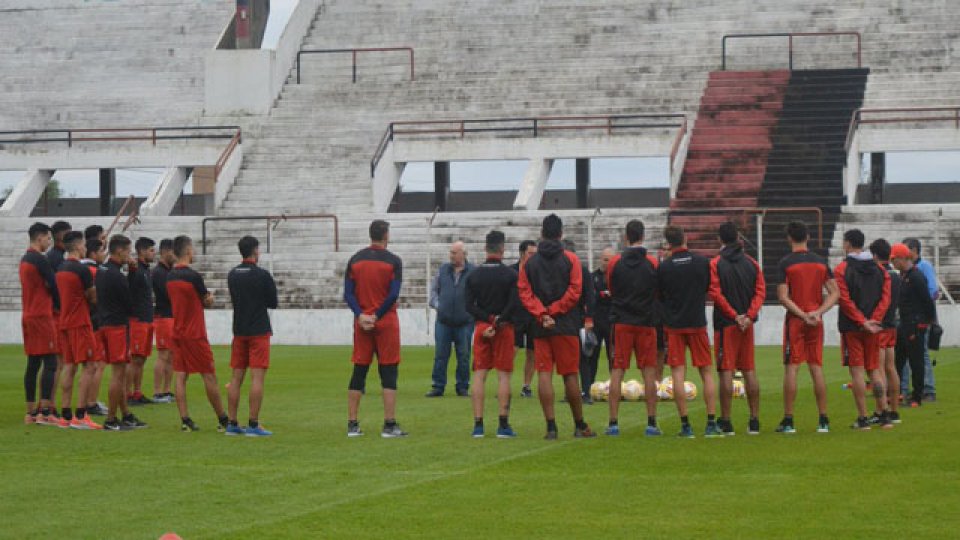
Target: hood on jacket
863,263
550,249
634,256
733,252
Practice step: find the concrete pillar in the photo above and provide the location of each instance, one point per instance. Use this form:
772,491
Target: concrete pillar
583,183
108,190
851,173
878,176
441,185
386,180
534,183
166,193
26,193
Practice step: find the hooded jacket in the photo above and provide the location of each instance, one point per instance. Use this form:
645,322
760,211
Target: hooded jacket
737,286
891,319
632,281
683,281
864,291
551,283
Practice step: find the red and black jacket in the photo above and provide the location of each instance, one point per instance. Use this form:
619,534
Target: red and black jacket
73,280
158,280
632,282
551,283
38,286
737,286
491,292
890,320
805,274
372,282
864,292
683,281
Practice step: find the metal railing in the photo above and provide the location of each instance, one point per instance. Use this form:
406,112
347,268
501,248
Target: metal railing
533,126
354,53
132,218
904,114
149,134
272,222
789,36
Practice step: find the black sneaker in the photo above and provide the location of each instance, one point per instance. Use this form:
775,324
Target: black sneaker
875,419
786,426
526,392
97,410
434,392
463,393
393,432
586,399
862,424
144,400
187,426
115,425
894,417
222,425
550,436
132,422
726,427
585,433
753,428
353,430
885,422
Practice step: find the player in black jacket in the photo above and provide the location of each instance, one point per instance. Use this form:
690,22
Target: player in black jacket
917,313
523,339
880,249
491,298
252,293
683,281
141,324
601,324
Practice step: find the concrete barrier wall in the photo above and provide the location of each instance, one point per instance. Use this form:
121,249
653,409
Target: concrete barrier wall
334,326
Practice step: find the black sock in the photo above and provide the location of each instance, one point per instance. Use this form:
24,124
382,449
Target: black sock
253,423
45,411
711,418
390,422
186,419
478,422
66,413
504,423
581,425
223,420
128,416
91,409
551,425
80,413
613,422
788,419
651,421
34,413
684,420
353,423
233,423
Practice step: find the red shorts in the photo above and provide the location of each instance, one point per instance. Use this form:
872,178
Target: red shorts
860,349
192,355
383,341
681,339
250,352
634,340
496,352
888,338
560,351
734,349
115,344
802,342
40,336
141,338
79,345
163,330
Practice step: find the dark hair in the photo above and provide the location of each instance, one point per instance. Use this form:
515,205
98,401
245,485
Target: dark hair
674,236
93,231
855,237
728,233
166,244
495,241
180,245
143,243
37,230
552,228
247,245
94,245
378,230
60,227
525,245
118,242
634,231
569,245
797,231
72,238
880,249
912,243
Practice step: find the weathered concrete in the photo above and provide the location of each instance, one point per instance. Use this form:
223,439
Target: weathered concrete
165,193
27,192
534,182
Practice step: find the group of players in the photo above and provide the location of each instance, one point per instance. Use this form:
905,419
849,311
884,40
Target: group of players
89,302
883,320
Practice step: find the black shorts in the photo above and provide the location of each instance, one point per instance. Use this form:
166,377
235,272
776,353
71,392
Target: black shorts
522,338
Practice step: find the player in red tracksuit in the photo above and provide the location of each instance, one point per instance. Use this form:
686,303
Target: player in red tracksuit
40,341
372,284
550,286
737,289
632,282
491,298
803,277
864,298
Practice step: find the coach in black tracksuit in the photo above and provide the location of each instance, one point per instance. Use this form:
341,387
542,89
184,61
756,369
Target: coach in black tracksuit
917,313
601,325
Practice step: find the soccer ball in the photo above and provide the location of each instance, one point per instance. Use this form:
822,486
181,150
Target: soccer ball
632,391
739,390
599,391
665,388
691,390
643,388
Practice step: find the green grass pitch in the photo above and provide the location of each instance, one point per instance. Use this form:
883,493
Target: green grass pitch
310,481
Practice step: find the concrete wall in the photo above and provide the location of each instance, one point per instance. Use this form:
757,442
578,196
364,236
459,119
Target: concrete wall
479,201
248,81
187,205
913,193
334,326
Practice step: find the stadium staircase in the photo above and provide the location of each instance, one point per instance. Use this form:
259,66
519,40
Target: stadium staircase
772,139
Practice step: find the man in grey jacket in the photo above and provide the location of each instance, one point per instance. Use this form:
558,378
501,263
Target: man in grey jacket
454,325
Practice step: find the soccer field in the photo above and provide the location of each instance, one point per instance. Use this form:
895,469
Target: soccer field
311,481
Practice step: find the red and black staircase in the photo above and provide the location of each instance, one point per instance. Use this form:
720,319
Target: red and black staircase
772,139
